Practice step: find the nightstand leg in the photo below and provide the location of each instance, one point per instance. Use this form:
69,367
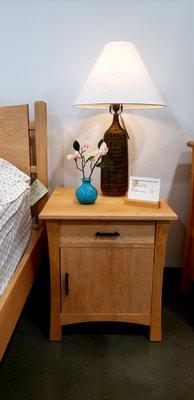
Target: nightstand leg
156,304
53,242
155,332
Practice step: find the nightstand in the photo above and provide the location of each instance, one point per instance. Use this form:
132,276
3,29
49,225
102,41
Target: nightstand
106,261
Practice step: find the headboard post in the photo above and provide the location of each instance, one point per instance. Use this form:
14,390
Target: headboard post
14,136
24,142
41,141
40,128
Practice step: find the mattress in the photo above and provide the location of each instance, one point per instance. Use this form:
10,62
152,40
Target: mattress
15,219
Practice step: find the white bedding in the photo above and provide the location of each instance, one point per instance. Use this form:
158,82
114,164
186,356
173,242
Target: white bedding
15,219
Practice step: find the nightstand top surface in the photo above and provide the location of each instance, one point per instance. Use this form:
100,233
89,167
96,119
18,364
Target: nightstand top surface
63,205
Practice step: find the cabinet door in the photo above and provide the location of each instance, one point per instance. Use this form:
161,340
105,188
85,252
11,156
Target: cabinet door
106,280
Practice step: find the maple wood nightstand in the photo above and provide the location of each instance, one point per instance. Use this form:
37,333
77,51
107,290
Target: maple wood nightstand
106,261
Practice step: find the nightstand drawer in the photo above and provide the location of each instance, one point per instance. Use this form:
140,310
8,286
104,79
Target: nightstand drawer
78,233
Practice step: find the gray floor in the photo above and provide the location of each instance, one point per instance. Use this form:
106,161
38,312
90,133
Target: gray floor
102,361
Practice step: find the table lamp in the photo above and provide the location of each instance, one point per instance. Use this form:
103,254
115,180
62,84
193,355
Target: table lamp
118,80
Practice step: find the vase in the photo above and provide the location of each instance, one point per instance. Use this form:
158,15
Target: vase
86,193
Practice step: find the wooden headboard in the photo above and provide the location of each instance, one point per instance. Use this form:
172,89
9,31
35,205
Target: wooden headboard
24,142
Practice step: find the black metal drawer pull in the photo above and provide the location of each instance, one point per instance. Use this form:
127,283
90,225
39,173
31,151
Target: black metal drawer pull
104,234
66,283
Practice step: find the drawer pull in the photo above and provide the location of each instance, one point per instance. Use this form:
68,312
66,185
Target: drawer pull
106,234
66,284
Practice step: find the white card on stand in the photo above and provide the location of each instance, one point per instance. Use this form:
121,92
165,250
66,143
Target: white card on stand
142,188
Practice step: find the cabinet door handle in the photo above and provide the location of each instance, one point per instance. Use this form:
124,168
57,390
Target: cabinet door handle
66,284
106,234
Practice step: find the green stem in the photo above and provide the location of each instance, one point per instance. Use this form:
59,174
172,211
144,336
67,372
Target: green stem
82,161
79,168
92,169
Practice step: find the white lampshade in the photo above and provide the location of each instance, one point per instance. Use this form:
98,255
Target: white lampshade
119,76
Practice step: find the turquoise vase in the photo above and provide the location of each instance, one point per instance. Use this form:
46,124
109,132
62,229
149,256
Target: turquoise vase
86,193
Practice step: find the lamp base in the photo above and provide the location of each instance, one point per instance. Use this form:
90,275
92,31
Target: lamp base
114,175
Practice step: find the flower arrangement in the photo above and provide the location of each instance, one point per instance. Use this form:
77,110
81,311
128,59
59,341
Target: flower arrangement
84,156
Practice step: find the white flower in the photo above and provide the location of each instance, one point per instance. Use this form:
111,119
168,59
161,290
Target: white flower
69,156
103,149
92,153
74,156
96,155
86,147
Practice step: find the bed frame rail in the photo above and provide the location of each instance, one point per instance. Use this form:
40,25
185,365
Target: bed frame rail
24,144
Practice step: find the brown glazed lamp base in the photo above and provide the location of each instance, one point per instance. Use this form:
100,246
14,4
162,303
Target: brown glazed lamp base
114,175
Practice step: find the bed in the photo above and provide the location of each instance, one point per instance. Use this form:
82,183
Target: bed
24,144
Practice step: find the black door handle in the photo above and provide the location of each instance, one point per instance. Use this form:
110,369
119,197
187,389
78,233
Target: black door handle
66,284
106,234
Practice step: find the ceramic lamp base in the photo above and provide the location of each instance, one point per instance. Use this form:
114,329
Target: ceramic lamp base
114,175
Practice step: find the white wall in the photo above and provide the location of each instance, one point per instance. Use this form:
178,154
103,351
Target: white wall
47,48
